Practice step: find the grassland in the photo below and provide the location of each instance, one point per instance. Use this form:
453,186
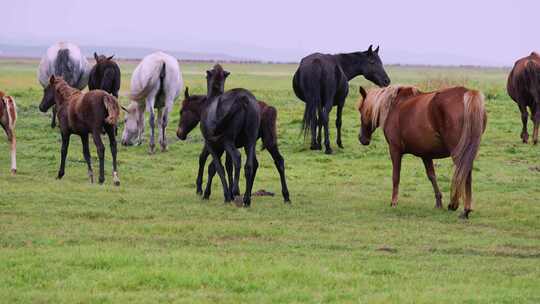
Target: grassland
153,240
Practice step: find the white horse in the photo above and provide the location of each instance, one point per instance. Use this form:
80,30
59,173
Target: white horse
155,84
64,59
8,117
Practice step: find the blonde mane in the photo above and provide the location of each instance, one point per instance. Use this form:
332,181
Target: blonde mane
379,101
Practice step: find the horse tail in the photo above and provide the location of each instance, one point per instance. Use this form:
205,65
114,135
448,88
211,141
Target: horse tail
113,109
532,76
161,90
312,93
158,74
474,121
64,67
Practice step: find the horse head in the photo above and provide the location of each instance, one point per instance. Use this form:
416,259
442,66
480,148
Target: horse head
133,124
215,79
190,114
102,58
48,99
374,69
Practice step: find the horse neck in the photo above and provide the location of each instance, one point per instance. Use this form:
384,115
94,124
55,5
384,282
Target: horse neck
352,64
64,93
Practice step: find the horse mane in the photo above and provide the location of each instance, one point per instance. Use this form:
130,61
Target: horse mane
62,87
379,101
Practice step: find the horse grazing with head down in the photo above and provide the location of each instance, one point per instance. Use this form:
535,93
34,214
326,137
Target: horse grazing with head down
524,88
82,114
64,59
155,84
230,119
190,115
322,81
105,75
8,117
440,124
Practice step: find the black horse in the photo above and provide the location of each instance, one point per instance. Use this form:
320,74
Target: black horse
228,119
105,75
190,115
321,81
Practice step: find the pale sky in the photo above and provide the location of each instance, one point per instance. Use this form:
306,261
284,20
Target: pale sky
481,32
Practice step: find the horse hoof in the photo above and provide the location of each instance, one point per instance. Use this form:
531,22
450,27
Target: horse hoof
13,171
287,201
205,197
340,145
328,151
117,183
164,149
199,192
452,208
316,147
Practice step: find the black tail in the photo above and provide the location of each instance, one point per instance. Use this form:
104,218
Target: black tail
312,93
161,91
64,67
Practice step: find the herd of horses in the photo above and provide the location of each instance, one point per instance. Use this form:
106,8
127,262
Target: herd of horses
431,125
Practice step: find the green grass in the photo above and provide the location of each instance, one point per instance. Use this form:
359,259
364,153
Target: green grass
153,240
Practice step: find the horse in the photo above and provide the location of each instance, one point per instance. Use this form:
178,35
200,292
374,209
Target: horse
230,119
82,114
105,75
155,84
523,86
64,59
8,118
321,82
440,124
190,115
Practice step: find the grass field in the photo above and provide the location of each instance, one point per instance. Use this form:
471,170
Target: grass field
153,240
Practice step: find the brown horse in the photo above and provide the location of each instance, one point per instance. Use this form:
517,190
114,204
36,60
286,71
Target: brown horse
190,115
8,117
440,124
524,88
84,113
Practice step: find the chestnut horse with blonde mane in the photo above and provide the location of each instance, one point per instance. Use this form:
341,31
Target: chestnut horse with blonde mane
444,123
84,113
8,117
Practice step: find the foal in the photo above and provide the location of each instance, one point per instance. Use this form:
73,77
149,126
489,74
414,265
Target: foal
440,124
84,113
227,119
190,115
105,75
8,117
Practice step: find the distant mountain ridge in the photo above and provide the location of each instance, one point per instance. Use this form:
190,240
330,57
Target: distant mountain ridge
8,50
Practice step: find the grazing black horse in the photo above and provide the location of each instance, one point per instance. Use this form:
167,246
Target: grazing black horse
322,81
105,75
190,115
228,119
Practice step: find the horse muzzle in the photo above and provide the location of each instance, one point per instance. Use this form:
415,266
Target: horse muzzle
180,134
364,140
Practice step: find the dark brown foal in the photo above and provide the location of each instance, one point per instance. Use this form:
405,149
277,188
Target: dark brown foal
83,114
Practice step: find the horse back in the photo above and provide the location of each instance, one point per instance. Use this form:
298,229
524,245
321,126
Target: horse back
319,74
86,112
523,83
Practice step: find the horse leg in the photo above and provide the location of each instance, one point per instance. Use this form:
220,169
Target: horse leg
53,120
468,197
141,125
250,170
536,120
100,148
221,172
236,158
10,132
430,171
111,132
229,168
86,154
63,154
164,119
396,156
280,166
202,161
315,141
324,114
338,124
211,173
524,117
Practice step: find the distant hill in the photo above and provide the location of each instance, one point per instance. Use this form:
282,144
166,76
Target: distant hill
119,52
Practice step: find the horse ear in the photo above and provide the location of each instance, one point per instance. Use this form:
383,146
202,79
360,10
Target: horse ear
95,56
363,92
186,93
208,74
377,50
111,57
226,73
124,108
370,49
